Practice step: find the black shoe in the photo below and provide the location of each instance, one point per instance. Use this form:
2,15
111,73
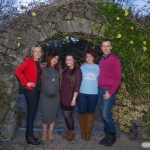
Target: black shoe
102,142
111,140
31,140
26,136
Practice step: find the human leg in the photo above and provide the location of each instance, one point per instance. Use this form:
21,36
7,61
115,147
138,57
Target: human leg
91,104
44,134
101,92
109,126
32,99
70,124
107,115
51,127
82,103
82,107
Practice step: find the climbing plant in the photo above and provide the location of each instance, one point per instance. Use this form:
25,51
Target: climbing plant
4,98
131,42
129,32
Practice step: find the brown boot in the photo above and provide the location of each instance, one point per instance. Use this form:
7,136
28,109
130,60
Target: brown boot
70,135
50,135
90,122
66,134
44,136
82,119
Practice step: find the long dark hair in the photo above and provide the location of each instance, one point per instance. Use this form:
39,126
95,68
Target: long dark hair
72,75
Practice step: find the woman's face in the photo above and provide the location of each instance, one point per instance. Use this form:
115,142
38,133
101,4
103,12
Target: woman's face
54,60
37,53
89,59
70,61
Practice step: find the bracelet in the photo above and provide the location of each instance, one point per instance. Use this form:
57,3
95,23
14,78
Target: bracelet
74,98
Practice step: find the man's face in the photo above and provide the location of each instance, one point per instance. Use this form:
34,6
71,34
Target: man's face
106,47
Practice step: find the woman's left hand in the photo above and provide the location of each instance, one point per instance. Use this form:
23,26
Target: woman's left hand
73,102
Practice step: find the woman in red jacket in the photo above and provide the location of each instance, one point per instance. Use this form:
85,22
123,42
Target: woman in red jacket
30,73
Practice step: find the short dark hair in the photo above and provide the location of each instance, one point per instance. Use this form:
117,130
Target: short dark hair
91,52
107,40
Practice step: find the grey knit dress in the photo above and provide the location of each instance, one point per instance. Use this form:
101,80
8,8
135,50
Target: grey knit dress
50,95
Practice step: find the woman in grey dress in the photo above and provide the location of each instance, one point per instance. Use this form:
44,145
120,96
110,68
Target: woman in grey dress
50,95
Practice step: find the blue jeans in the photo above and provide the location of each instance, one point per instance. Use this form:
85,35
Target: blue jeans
106,106
87,103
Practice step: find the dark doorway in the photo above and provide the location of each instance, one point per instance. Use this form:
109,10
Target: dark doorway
72,45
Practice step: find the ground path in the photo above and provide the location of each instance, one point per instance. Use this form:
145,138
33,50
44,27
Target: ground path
19,143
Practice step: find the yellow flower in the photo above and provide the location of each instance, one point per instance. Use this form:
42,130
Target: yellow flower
18,44
131,42
144,42
132,27
144,48
119,36
67,37
126,7
33,14
126,13
39,26
18,38
117,18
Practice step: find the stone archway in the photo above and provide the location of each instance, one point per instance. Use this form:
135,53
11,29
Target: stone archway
74,19
43,24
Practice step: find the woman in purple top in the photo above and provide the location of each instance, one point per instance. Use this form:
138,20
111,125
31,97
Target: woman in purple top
70,85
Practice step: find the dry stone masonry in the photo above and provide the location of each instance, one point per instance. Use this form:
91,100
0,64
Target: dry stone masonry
75,19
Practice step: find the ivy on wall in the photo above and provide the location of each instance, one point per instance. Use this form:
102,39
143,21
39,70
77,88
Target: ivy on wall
131,42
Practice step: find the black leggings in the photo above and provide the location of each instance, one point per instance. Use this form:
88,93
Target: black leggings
69,119
32,99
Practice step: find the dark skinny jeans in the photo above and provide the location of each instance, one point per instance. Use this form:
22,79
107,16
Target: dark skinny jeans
87,103
32,99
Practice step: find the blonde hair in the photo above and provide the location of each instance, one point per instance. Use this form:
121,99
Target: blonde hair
32,50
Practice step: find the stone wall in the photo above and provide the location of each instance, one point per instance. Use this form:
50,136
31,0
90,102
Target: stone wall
54,19
44,28
8,126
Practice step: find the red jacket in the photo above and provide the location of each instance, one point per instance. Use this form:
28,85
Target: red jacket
27,72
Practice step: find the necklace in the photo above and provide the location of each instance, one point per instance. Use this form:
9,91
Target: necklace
53,74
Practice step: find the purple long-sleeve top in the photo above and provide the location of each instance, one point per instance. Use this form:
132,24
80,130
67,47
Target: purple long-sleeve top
67,90
110,73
